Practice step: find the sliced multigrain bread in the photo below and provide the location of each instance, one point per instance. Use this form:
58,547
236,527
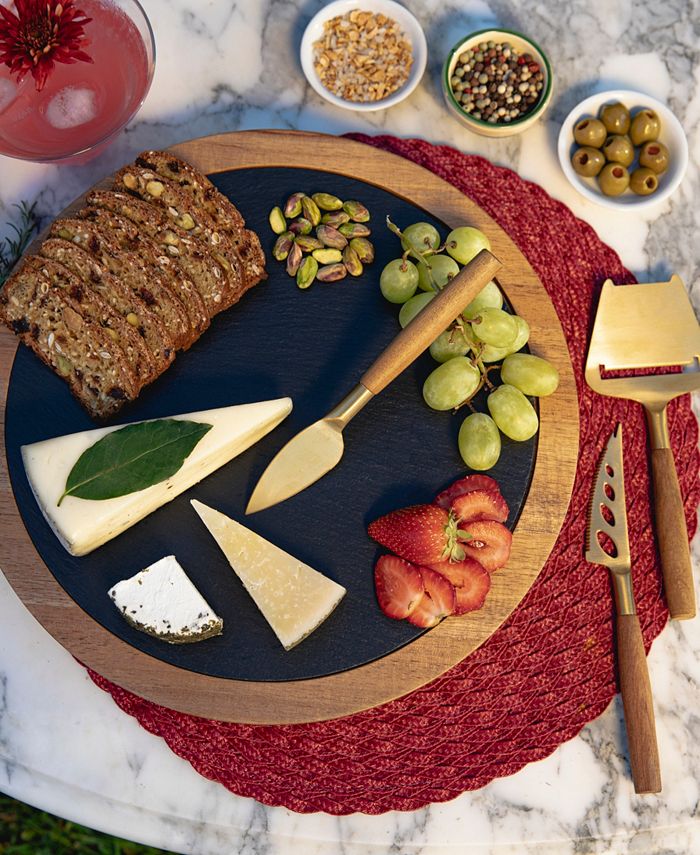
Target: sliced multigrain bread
186,175
219,287
127,343
143,279
182,210
219,207
134,241
120,297
49,321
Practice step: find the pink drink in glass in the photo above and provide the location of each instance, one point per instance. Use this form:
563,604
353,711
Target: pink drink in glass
82,105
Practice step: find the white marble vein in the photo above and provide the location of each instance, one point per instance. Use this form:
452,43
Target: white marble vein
225,65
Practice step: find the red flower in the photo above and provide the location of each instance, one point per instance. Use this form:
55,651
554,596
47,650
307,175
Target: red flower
42,33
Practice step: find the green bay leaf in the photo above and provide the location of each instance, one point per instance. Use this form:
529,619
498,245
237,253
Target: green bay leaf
133,458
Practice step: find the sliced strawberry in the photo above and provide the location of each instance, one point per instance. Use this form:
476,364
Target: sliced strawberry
438,600
465,485
471,582
423,534
488,542
398,585
480,505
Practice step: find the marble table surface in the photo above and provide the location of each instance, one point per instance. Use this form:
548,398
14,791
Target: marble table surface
67,748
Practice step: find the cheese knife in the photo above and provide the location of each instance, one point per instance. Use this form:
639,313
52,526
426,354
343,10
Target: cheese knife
608,517
318,448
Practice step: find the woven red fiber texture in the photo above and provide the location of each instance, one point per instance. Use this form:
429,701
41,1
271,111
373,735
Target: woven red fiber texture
549,669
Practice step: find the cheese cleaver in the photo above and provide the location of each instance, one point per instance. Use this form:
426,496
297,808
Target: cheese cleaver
317,449
607,523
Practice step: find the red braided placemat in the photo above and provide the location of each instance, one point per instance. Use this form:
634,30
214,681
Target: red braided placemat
548,670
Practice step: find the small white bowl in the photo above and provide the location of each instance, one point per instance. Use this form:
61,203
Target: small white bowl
407,22
522,44
672,136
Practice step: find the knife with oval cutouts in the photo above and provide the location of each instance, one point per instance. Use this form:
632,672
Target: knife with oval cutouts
608,544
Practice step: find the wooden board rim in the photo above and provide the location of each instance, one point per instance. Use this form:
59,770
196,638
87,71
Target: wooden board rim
434,652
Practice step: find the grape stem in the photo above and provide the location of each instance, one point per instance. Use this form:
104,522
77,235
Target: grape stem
460,323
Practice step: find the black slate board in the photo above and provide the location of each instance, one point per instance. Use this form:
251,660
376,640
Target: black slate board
313,346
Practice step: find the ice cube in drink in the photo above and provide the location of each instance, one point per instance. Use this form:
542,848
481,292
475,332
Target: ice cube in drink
71,107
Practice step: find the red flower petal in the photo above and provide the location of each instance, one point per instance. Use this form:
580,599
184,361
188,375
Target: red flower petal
41,34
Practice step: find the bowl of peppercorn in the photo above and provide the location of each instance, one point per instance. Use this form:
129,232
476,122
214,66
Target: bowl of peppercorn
497,82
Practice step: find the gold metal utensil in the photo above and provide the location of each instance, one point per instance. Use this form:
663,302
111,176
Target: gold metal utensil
652,326
317,449
635,688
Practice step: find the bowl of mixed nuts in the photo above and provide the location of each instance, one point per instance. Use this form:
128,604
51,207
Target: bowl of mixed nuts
364,54
497,82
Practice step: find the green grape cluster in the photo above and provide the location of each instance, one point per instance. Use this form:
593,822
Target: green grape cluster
483,334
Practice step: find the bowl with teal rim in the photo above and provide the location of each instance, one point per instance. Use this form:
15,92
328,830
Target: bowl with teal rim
505,123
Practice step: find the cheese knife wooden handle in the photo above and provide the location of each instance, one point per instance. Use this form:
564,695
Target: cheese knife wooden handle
635,689
431,321
672,536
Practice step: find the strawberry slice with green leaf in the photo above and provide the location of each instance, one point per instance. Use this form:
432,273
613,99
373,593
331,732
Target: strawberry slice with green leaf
438,600
471,583
487,542
398,585
480,505
422,534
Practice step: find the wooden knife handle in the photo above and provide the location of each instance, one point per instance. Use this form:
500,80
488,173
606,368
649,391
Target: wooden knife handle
672,536
429,323
638,706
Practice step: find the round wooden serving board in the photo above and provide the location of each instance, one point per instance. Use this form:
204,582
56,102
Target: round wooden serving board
412,661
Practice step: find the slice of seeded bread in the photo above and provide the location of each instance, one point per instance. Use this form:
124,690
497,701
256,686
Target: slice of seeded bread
132,239
186,175
121,298
182,209
219,207
143,279
49,321
219,287
94,308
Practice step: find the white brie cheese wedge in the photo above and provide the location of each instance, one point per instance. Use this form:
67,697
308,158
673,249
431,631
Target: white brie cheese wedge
84,524
293,597
162,601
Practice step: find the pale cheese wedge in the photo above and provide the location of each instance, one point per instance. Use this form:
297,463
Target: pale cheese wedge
293,597
83,524
162,601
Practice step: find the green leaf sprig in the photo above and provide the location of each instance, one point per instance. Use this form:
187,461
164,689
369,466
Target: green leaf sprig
11,248
133,458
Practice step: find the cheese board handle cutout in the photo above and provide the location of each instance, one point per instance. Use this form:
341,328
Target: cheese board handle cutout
635,689
672,536
431,321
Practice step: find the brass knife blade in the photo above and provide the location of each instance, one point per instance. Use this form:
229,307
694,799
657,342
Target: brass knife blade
307,456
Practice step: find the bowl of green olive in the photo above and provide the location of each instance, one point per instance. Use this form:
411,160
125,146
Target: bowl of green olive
623,149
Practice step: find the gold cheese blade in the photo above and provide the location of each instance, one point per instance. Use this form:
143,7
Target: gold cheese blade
609,491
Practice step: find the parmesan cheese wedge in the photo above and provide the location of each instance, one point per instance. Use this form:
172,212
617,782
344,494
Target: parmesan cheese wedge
162,601
84,524
294,598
